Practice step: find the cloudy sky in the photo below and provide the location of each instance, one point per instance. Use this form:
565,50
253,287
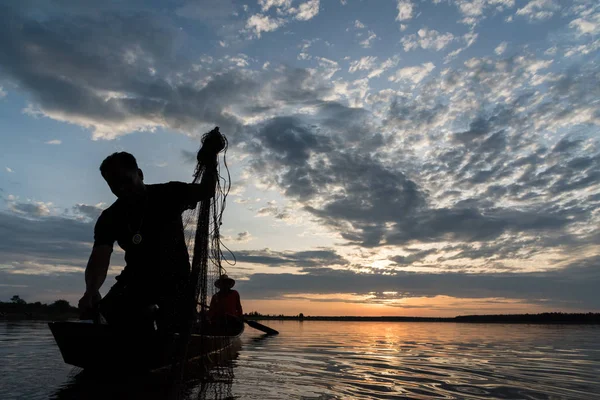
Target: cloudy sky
388,157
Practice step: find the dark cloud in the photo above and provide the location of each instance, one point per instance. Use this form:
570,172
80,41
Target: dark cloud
45,288
113,76
354,125
478,129
274,211
29,209
565,144
301,259
44,258
48,239
372,202
414,117
242,236
469,224
414,257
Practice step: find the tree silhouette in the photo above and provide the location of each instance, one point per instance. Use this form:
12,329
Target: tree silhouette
17,300
61,305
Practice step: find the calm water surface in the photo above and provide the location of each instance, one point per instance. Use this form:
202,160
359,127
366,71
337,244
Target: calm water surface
339,360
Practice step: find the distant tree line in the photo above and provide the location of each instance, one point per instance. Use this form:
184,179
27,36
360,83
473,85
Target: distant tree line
543,318
17,308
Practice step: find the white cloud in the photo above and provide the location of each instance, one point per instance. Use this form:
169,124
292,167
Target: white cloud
241,60
501,48
405,10
533,66
2,92
403,27
9,170
242,237
367,42
328,67
358,24
259,23
31,208
413,74
266,65
54,141
305,45
267,4
383,96
427,39
364,64
450,56
471,8
474,10
390,62
308,10
583,49
538,9
585,26
102,129
469,38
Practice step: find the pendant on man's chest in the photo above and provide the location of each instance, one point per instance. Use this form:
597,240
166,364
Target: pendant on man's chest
137,238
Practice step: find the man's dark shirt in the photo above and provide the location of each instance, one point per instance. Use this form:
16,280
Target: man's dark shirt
161,260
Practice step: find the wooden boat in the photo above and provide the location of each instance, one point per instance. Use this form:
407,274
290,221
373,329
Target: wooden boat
102,347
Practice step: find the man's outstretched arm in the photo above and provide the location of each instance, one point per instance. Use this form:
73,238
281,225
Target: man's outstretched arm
213,143
95,275
207,186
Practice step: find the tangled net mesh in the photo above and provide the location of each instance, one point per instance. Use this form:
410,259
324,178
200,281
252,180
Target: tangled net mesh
202,234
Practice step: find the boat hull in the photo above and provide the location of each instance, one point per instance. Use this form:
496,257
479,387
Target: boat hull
102,347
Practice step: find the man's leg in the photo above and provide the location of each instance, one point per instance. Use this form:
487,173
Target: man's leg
125,307
174,308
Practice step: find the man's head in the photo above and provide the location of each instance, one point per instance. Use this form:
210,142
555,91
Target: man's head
224,283
125,179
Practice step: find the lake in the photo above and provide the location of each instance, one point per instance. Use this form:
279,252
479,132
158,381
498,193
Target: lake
339,360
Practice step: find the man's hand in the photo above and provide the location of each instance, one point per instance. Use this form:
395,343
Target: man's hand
213,143
89,301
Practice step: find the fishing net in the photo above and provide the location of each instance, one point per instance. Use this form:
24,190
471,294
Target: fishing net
199,343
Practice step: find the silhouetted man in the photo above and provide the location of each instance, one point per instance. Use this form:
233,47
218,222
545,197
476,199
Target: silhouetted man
145,221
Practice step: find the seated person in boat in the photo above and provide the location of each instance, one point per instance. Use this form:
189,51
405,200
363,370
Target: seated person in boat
225,311
146,222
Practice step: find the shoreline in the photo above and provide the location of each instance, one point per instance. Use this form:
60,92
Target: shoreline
24,312
545,318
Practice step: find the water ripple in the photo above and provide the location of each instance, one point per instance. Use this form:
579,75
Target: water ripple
342,360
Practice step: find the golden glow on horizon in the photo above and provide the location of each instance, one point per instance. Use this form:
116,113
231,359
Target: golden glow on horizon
355,305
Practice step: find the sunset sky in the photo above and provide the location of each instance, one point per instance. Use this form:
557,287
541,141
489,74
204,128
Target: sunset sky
388,157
